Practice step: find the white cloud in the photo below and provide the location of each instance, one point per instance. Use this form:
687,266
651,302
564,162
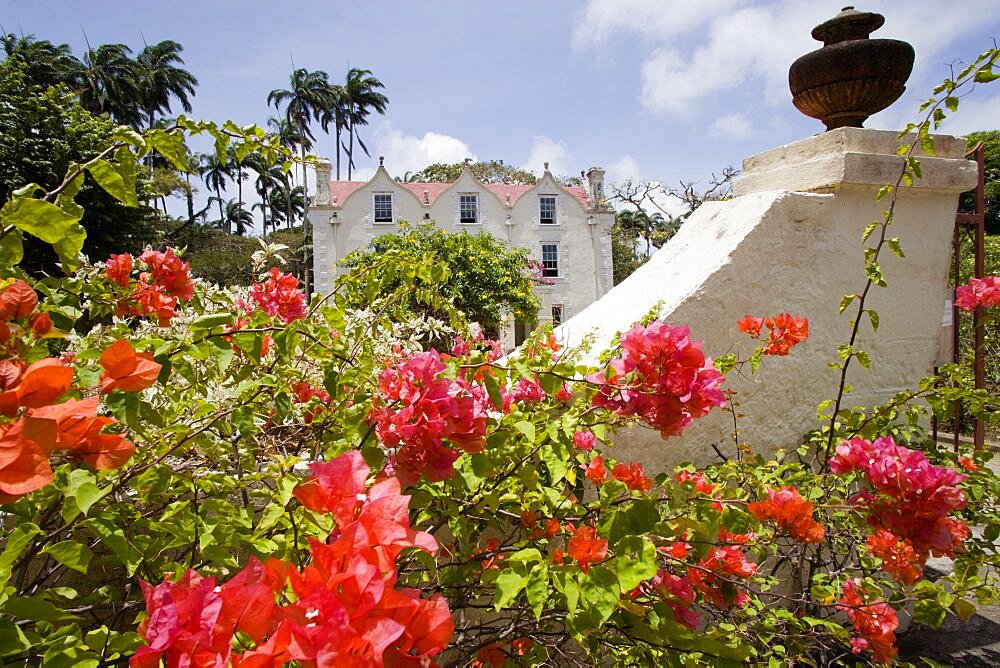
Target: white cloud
654,19
408,153
741,43
732,126
625,167
556,153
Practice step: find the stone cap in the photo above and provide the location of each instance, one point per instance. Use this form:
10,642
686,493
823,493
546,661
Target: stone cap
858,157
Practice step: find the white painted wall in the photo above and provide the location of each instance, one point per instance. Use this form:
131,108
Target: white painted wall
791,241
583,231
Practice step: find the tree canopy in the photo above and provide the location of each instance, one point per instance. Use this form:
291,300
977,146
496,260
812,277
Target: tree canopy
487,279
991,142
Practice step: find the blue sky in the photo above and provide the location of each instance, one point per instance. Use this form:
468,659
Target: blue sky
655,89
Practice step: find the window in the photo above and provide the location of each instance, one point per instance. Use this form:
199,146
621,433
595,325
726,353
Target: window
547,209
550,260
557,315
468,208
383,207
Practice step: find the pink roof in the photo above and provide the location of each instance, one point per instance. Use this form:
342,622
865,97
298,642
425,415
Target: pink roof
342,189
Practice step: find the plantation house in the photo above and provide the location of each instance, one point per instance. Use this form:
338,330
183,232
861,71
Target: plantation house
566,229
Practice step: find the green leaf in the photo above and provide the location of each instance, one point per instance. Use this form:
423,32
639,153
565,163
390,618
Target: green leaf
171,146
844,350
80,492
11,249
509,584
873,318
537,588
964,609
526,555
894,246
845,301
16,541
114,538
47,222
126,134
527,429
869,228
71,553
113,181
12,638
634,562
599,591
212,320
864,359
986,76
36,609
725,363
929,613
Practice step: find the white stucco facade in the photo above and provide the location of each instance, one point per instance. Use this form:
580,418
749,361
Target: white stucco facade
568,228
790,241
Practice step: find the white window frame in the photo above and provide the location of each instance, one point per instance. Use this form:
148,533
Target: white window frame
558,270
375,208
555,210
476,213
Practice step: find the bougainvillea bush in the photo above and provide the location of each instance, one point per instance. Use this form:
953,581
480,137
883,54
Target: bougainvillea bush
193,476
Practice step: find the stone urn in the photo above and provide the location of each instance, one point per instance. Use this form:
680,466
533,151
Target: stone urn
852,76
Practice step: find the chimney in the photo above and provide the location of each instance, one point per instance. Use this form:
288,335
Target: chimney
595,188
323,171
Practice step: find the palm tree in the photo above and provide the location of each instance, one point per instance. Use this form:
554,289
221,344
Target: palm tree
109,83
287,203
361,97
305,101
214,173
45,64
235,164
335,114
160,77
237,218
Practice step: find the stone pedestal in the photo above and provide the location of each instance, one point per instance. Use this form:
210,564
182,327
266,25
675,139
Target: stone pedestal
790,240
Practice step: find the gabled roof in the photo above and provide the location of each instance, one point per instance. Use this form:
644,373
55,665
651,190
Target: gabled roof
342,189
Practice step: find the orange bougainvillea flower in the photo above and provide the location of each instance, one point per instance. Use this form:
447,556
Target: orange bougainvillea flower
44,382
586,548
786,508
633,476
24,460
41,324
17,300
126,370
750,325
786,331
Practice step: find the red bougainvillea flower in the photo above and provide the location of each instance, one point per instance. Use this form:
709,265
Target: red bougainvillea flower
80,430
785,331
786,508
584,440
899,559
41,324
552,527
711,574
148,299
118,268
24,455
586,548
304,393
633,475
698,479
416,410
491,656
750,325
978,292
343,608
663,377
279,295
595,470
126,370
875,623
522,646
912,499
168,272
17,301
969,464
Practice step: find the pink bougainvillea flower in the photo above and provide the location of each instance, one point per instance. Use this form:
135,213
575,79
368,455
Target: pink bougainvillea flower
662,377
279,295
978,292
584,440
